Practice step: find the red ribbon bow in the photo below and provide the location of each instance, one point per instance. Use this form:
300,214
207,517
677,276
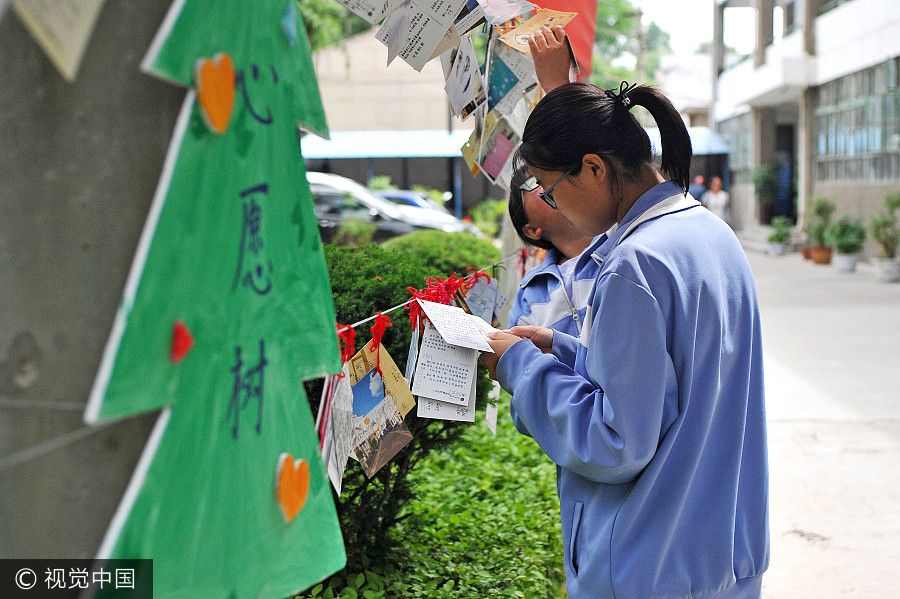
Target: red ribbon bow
346,335
382,322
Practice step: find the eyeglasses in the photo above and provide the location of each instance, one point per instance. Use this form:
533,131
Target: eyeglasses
530,184
547,194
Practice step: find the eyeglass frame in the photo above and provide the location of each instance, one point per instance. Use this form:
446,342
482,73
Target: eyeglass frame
525,186
547,194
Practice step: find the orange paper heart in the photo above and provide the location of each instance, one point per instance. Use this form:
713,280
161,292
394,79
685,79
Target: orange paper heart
293,485
215,90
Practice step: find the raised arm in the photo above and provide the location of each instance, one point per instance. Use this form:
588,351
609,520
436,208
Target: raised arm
550,52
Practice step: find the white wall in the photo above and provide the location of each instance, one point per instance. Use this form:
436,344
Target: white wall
855,36
361,93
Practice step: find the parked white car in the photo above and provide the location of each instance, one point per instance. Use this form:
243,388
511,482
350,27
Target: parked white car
338,198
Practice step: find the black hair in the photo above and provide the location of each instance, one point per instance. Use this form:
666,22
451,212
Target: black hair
517,213
579,118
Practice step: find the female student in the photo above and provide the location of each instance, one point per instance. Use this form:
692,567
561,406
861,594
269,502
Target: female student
655,415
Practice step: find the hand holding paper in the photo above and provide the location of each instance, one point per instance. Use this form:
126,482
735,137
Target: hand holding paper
499,342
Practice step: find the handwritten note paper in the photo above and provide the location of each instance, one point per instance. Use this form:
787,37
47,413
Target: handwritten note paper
370,10
444,372
442,410
427,26
455,326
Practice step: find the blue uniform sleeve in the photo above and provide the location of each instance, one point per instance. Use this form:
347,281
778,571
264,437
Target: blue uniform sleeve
565,347
604,425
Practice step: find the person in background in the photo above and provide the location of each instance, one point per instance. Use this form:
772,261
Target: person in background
697,188
655,415
716,199
555,294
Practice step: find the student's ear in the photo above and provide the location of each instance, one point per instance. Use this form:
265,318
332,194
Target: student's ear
596,166
532,232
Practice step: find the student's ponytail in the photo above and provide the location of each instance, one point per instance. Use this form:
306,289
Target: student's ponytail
675,140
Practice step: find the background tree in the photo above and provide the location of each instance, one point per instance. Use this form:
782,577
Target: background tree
328,22
622,43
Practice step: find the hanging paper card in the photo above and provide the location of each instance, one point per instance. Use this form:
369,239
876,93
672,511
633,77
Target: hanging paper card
379,431
512,73
499,144
455,326
340,429
370,10
464,86
231,242
61,27
442,410
518,37
492,408
470,17
480,299
501,11
413,354
428,23
444,372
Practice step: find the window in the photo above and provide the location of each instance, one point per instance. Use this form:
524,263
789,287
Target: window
858,125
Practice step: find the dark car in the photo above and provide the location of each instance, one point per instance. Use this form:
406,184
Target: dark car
338,198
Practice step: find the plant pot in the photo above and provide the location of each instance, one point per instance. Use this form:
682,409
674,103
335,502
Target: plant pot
820,255
888,269
807,252
845,262
777,249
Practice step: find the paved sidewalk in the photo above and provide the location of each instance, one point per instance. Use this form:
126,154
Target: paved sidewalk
832,345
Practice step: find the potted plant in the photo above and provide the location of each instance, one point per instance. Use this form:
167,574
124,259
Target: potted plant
780,235
846,235
884,230
817,221
765,181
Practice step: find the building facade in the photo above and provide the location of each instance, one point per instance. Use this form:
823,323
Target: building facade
818,99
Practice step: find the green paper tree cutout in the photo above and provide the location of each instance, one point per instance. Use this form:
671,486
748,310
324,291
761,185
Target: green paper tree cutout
231,249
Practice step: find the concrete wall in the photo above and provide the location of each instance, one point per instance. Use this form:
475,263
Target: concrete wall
78,169
361,93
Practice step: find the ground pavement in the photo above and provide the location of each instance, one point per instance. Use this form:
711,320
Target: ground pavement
832,351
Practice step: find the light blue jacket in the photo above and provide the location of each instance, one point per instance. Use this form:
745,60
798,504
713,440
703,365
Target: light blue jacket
656,417
542,299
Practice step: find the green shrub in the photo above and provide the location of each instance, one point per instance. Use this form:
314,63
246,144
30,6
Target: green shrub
365,280
487,216
883,226
818,219
354,232
846,235
781,230
381,182
445,253
486,520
